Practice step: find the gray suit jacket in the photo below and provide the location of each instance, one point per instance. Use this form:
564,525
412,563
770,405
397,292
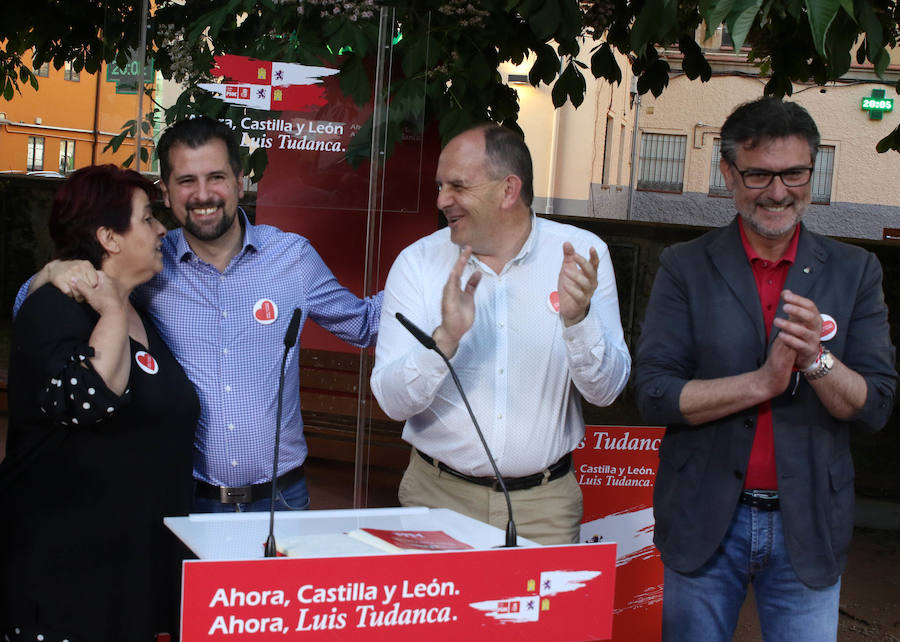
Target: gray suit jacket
704,321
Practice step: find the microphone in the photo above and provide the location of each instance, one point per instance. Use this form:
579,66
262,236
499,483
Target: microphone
290,339
423,338
429,343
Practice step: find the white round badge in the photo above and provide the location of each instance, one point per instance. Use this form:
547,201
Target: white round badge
829,327
553,302
146,362
265,311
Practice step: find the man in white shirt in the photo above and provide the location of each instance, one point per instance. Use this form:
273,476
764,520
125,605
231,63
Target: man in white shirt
530,325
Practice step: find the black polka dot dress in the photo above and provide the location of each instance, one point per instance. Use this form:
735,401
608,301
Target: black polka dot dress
87,479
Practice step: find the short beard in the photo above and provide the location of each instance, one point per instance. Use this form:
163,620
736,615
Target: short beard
217,232
767,233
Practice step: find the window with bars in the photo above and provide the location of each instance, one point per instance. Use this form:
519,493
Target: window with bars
727,41
43,71
35,161
621,154
820,182
822,174
716,180
66,156
661,162
607,151
70,74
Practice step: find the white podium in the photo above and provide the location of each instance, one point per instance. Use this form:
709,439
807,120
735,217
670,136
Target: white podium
241,536
335,587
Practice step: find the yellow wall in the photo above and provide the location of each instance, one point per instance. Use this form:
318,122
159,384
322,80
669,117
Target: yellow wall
568,144
65,110
861,175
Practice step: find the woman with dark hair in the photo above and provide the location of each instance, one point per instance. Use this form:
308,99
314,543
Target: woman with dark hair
101,426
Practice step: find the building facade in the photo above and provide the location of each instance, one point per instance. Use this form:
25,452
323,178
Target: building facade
629,157
582,156
67,122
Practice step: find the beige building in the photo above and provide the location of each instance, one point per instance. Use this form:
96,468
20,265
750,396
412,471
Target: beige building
583,157
67,122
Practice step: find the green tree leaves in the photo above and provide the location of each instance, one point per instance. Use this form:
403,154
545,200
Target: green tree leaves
604,64
740,19
570,87
444,67
821,14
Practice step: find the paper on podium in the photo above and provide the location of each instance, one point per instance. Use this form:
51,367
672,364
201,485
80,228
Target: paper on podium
322,545
396,541
240,536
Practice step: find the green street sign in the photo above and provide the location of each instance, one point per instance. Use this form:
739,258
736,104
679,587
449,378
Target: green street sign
877,105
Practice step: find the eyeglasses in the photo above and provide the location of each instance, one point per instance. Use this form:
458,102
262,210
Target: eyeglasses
761,179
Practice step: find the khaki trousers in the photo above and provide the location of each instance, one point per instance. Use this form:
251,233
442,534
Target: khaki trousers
548,514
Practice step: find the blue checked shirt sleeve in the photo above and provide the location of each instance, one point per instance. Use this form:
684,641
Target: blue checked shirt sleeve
336,308
21,295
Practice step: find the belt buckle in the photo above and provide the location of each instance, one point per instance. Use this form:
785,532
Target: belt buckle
762,499
236,495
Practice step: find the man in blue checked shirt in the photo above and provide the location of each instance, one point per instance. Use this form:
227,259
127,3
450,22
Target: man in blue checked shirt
222,303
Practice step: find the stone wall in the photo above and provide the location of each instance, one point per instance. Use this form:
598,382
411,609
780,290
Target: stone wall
851,220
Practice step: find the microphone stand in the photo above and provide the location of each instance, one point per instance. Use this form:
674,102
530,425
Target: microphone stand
431,344
290,339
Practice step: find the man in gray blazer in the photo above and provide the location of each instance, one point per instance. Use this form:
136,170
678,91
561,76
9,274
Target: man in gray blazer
764,345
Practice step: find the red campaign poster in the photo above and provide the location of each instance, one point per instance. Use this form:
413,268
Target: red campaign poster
616,468
548,593
305,123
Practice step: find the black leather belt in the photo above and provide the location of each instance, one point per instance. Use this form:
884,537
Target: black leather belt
761,499
247,494
553,471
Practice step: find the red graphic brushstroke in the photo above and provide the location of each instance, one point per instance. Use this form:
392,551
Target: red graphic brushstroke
242,69
298,97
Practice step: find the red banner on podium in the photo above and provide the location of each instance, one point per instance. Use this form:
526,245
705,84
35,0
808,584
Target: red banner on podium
541,593
616,468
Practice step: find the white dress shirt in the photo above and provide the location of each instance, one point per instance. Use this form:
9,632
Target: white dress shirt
520,367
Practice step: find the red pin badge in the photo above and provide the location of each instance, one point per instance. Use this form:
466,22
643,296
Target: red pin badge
146,362
553,302
829,327
265,311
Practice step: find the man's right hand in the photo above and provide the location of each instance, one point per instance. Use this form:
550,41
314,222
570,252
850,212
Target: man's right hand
704,400
105,297
457,306
775,373
63,274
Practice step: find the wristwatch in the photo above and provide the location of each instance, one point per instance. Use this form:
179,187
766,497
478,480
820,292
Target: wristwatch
821,366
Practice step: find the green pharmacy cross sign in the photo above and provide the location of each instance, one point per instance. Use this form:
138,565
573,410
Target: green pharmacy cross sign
877,104
126,78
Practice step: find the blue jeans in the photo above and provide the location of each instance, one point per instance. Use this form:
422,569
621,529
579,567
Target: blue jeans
703,606
294,497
